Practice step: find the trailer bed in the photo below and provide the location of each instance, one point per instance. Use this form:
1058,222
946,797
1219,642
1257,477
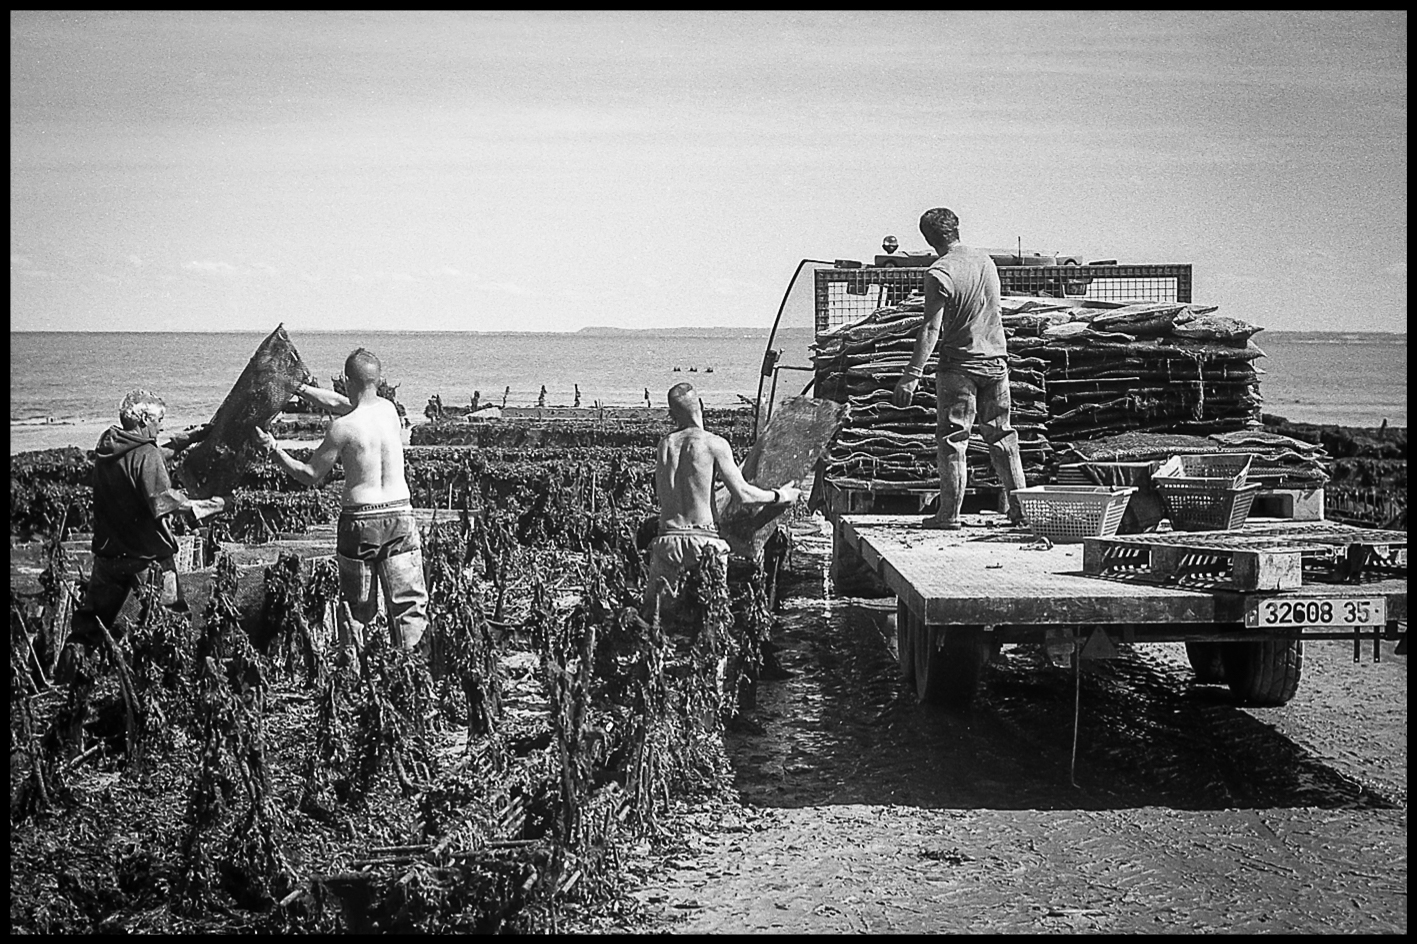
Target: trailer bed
985,574
961,595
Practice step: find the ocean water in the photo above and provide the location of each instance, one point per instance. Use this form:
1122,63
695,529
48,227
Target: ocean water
1357,379
65,387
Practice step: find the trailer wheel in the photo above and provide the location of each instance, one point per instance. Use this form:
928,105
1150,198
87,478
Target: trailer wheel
947,670
1263,674
1207,660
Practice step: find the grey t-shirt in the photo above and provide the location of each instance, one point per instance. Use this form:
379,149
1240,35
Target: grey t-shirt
971,331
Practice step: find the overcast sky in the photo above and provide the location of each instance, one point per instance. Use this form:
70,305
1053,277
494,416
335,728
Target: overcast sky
548,171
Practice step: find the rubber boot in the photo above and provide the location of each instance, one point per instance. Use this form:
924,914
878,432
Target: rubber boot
358,588
349,639
402,577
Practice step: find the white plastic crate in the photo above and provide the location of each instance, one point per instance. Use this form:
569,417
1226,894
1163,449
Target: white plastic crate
1066,514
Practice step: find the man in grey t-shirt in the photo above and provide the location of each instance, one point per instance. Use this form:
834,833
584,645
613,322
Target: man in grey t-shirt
962,322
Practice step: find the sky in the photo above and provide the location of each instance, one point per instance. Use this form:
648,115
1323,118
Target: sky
481,171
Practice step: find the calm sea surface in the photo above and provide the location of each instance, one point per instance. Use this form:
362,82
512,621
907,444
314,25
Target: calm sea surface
65,387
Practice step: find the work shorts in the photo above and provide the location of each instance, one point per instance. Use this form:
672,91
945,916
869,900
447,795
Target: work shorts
377,546
671,555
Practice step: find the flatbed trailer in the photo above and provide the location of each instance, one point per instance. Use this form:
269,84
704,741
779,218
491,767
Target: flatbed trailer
963,594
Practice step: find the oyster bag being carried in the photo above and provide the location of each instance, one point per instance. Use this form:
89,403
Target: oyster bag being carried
214,465
796,438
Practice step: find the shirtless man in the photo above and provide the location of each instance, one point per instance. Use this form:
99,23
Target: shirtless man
377,535
687,462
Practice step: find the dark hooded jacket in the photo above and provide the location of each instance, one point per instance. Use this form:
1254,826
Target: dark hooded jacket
128,477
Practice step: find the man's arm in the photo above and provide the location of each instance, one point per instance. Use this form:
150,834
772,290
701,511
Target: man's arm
306,473
173,500
182,440
336,403
925,342
740,488
163,499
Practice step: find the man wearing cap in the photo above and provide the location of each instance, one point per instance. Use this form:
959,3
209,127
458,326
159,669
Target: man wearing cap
963,323
377,542
133,498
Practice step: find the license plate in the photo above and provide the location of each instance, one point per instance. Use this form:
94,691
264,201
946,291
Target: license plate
1328,611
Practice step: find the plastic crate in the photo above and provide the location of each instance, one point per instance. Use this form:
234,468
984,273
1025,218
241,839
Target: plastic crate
1066,514
1226,469
1201,506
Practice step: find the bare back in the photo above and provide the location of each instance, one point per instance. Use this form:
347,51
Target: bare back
369,440
685,466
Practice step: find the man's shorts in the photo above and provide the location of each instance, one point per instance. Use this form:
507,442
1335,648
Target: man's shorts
376,531
672,554
378,545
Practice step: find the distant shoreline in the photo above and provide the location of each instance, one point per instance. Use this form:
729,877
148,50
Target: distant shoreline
592,331
702,331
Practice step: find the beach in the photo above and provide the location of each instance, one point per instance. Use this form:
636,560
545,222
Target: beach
61,396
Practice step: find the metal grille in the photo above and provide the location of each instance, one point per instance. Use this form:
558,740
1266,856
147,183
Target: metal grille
847,295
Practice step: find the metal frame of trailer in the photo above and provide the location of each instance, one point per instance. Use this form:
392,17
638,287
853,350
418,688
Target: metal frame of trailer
962,594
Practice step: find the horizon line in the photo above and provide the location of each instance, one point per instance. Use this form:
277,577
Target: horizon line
614,328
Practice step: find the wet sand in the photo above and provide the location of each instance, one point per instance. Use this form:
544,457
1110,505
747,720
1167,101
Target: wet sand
864,811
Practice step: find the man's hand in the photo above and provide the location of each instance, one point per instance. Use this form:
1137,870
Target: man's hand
263,438
187,437
789,493
206,507
905,391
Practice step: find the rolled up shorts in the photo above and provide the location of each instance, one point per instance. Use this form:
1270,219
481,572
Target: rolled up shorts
674,552
378,545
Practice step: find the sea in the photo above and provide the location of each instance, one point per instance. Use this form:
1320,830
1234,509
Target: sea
65,386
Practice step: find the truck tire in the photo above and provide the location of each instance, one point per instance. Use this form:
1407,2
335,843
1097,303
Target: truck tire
947,674
1206,659
1263,674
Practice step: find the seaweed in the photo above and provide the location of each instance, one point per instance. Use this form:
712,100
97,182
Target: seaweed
398,793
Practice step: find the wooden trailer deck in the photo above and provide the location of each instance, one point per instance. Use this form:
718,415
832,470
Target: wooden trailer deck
984,575
962,594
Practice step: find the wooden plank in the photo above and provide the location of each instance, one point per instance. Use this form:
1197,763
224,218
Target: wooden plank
1167,560
981,575
1240,569
1269,570
1266,556
945,578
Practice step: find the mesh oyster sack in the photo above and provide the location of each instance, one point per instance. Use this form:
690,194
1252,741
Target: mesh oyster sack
796,438
214,465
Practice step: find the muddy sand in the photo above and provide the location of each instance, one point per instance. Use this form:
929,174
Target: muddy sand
863,811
